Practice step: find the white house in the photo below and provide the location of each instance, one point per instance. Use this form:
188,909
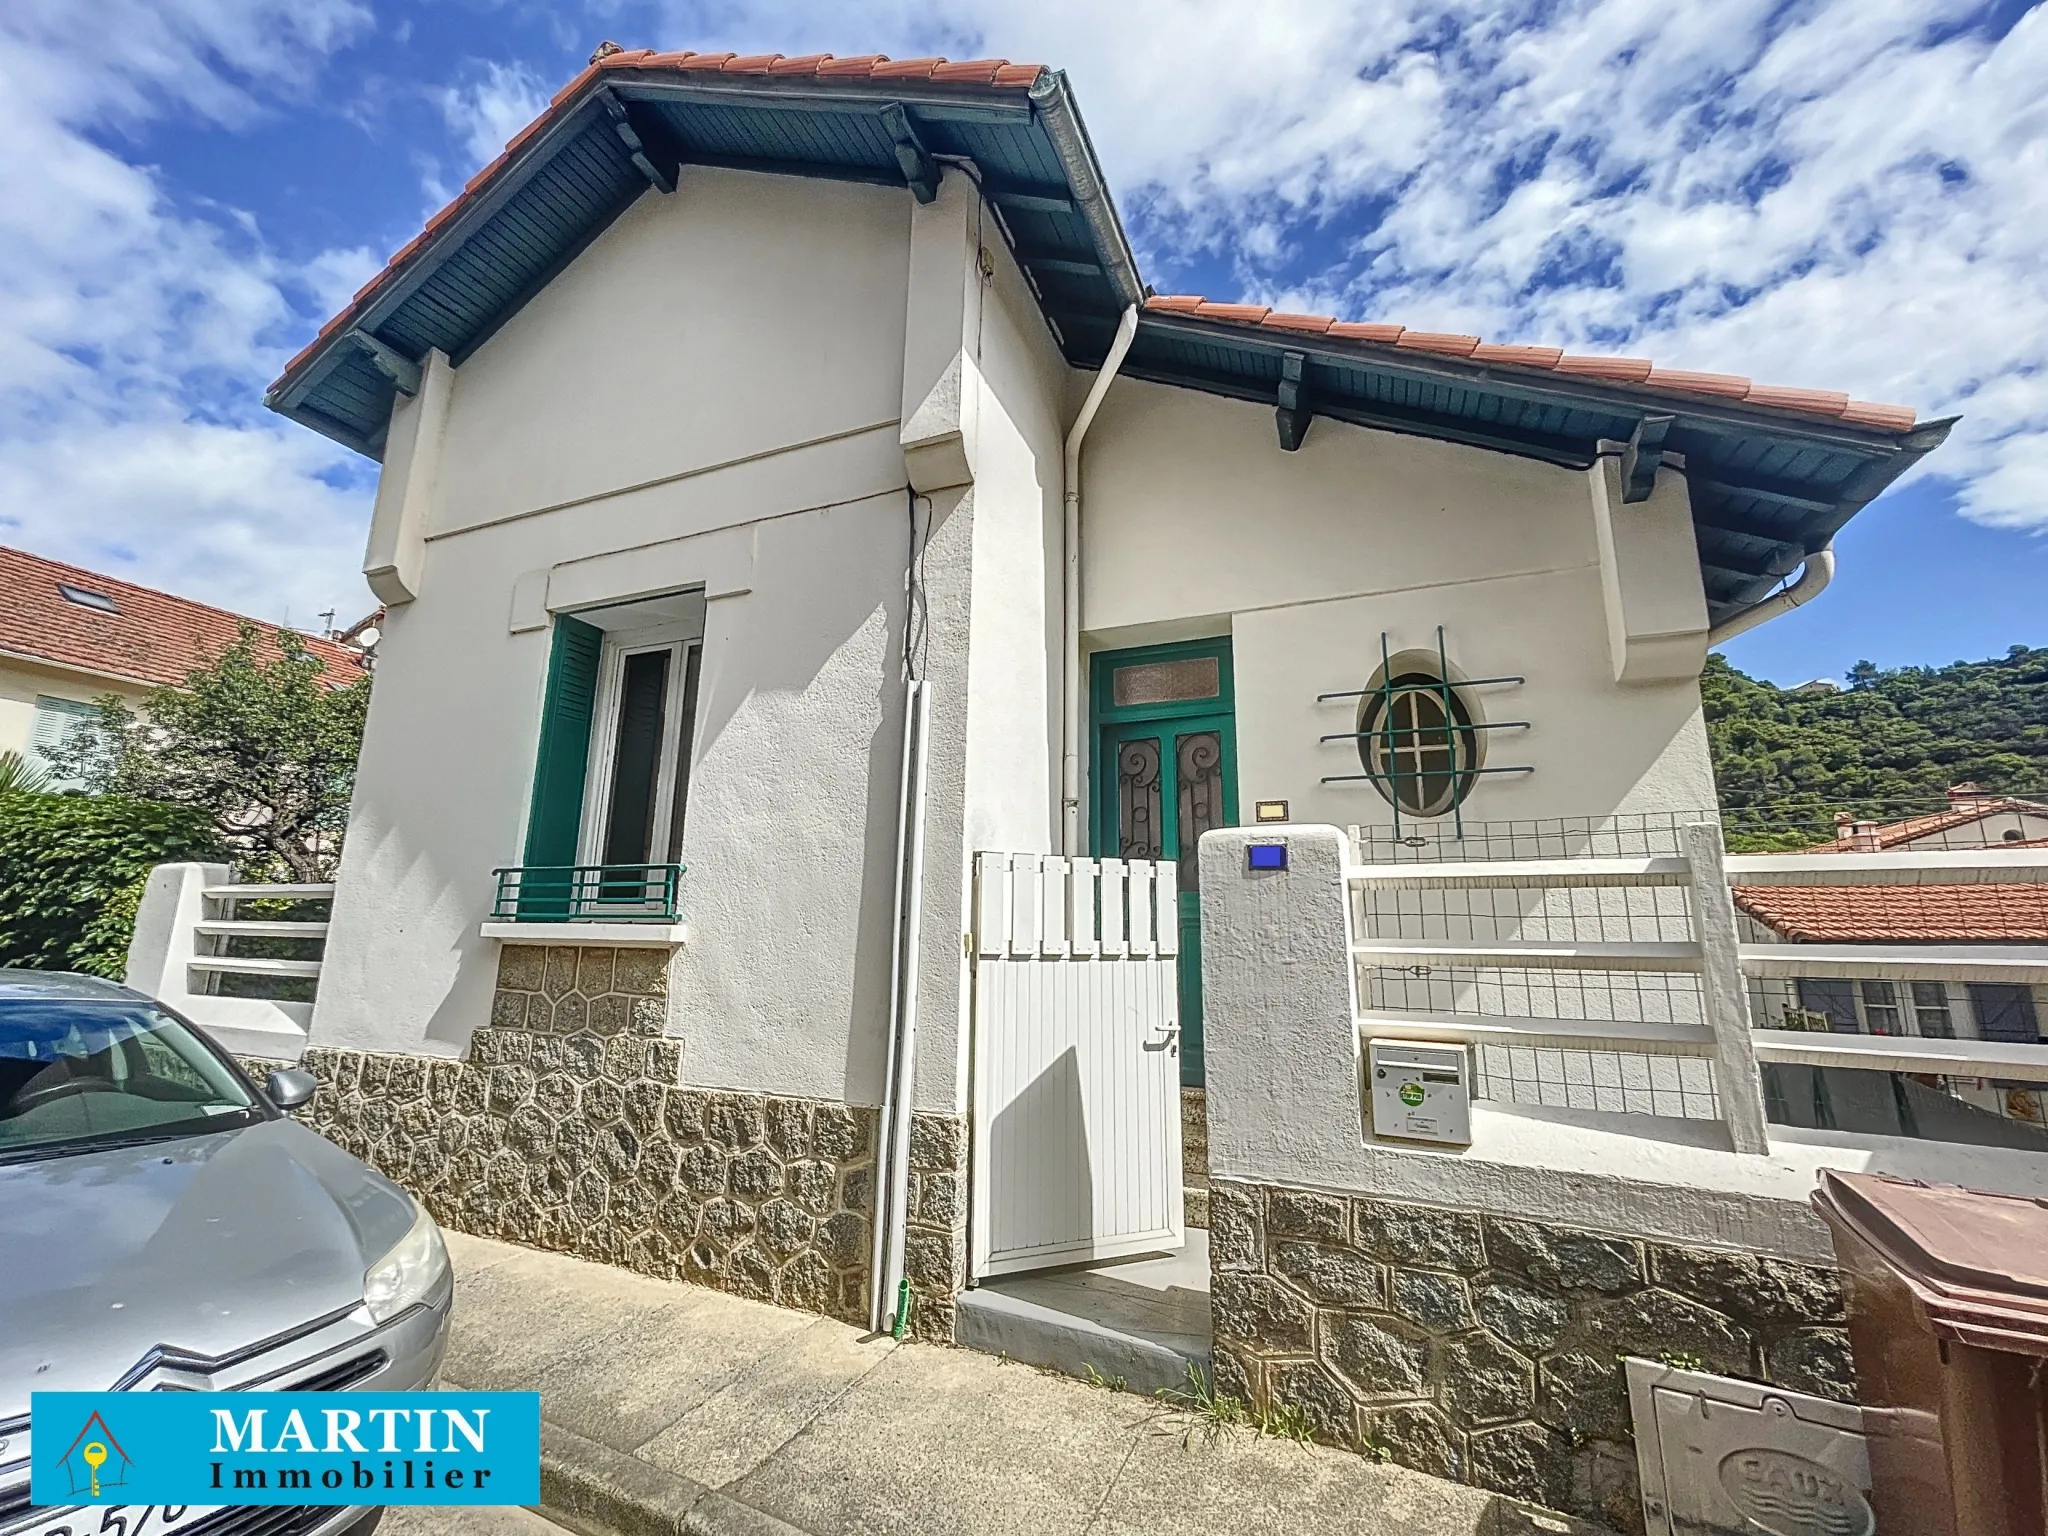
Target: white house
790,491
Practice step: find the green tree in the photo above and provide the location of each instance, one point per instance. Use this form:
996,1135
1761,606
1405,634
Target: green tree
20,776
1889,745
72,869
262,739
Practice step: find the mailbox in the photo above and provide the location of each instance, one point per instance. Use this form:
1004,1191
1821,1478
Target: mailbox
1420,1092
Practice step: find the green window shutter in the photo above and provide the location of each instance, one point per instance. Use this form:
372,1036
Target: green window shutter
557,812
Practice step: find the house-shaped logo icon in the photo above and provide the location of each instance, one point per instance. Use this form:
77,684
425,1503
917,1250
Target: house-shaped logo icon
95,1460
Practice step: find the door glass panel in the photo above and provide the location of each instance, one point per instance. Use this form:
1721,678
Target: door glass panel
636,759
1198,769
1138,824
1166,682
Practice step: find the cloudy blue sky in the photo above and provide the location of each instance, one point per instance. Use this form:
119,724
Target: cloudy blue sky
1842,193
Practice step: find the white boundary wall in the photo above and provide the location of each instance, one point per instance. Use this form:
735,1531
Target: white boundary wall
1281,1015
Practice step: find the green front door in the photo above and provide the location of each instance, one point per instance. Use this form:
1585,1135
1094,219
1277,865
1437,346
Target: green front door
1165,772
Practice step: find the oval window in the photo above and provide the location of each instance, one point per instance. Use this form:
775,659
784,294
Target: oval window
1417,743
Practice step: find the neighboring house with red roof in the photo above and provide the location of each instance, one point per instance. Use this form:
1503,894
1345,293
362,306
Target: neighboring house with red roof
1974,818
69,636
791,490
2004,912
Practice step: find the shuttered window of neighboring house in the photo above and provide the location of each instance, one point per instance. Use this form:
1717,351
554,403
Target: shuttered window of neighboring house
57,722
556,816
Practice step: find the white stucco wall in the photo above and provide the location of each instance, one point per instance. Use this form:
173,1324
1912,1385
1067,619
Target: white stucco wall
1198,524
713,393
713,386
735,316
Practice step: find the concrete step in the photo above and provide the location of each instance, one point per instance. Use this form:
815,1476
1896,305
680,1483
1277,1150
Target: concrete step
1140,1323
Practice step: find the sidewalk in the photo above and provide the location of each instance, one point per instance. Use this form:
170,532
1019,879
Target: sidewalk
670,1408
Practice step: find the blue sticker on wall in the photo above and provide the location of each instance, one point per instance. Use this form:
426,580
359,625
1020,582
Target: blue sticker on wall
1265,856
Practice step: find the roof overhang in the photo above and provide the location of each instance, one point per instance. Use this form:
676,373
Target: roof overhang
1773,473
627,124
1768,485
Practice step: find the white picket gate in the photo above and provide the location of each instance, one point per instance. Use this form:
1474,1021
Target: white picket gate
1076,1114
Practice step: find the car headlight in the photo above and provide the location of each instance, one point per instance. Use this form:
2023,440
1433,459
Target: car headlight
405,1275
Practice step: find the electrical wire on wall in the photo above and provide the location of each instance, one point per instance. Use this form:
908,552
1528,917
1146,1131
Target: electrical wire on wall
917,628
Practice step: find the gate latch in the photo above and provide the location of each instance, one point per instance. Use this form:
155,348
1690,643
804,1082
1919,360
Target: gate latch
1170,1041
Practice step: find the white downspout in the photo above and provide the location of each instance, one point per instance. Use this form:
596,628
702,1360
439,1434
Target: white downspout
1070,734
892,1154
1814,576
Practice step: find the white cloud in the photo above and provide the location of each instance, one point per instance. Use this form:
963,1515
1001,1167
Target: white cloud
136,334
1841,193
484,113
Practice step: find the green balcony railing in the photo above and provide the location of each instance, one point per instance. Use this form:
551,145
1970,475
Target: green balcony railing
589,893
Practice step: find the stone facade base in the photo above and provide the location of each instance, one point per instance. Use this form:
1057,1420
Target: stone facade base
1194,1155
1487,1349
569,1128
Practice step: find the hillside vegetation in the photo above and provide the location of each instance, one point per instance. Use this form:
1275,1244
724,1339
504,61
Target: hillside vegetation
1888,744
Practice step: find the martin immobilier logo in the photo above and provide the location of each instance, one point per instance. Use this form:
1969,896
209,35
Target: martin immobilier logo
94,1460
401,1444
210,1449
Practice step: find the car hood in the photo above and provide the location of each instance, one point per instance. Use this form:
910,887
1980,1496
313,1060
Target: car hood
205,1245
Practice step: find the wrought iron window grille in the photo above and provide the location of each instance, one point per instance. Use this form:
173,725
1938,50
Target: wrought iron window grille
588,893
1457,725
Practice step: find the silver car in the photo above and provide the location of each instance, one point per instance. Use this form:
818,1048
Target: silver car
165,1226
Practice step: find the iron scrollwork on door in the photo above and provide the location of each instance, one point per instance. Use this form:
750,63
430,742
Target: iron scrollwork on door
1198,764
1138,790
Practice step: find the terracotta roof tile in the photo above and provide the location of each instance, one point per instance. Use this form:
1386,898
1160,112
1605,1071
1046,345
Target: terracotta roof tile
1620,370
1900,914
1727,385
1892,418
1819,402
977,71
152,638
906,69
802,64
1438,341
1366,330
750,64
711,61
862,65
1521,357
1248,314
1627,370
575,86
1023,75
1314,325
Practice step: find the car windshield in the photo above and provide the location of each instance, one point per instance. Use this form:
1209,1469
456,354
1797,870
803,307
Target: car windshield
79,1073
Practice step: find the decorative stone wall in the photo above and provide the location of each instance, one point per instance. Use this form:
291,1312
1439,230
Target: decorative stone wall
1488,1349
569,1128
1194,1156
935,1241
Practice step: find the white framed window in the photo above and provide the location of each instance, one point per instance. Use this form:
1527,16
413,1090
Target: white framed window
1881,1008
1931,1010
58,723
641,738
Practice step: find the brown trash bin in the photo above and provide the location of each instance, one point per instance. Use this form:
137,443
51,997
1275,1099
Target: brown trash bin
1948,1313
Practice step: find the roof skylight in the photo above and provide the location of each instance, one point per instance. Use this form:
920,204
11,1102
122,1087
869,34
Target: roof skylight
85,598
